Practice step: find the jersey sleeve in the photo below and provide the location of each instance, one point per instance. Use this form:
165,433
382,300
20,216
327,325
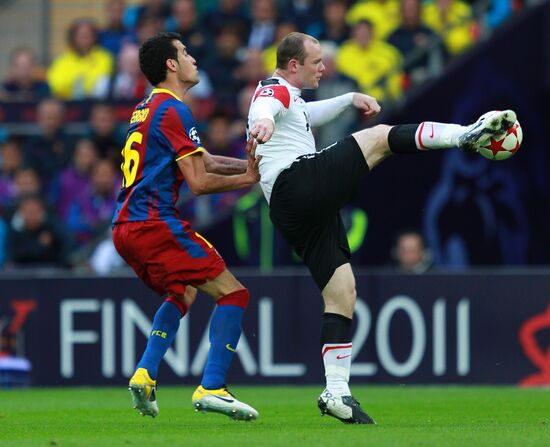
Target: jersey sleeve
276,92
324,111
178,127
271,101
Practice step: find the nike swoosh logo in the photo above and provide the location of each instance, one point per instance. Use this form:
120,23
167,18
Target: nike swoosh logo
223,398
340,357
228,346
432,135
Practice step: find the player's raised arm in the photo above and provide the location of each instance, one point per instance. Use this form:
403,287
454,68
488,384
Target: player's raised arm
324,111
202,182
269,104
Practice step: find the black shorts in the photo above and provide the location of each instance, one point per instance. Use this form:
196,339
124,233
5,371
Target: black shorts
305,205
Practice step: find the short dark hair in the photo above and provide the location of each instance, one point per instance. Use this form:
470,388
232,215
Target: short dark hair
292,47
78,23
154,53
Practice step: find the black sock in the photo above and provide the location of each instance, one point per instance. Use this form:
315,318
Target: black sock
401,139
336,329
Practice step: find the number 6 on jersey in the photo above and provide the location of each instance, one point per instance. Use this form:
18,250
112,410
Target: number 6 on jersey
131,159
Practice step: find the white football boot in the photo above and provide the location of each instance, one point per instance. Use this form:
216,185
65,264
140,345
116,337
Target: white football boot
491,124
222,401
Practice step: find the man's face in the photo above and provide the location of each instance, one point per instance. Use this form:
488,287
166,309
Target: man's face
85,156
33,214
102,120
363,34
11,157
187,68
84,38
128,59
310,72
103,178
335,12
184,14
410,10
22,67
263,10
27,182
115,11
410,250
50,116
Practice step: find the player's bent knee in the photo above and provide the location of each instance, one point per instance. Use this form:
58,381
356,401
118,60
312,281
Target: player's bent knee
224,284
180,302
372,134
374,144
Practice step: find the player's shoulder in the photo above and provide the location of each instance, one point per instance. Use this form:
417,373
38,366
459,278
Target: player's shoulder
271,84
175,109
272,88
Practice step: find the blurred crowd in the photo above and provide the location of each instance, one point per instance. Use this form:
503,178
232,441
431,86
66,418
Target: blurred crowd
58,189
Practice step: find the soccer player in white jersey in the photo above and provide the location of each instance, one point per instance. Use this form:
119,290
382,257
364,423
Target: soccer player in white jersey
306,188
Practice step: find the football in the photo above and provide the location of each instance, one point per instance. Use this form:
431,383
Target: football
505,147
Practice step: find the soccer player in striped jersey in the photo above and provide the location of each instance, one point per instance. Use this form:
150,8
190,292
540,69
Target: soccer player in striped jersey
162,150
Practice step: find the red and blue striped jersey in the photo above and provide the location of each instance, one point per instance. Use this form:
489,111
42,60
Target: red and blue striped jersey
161,132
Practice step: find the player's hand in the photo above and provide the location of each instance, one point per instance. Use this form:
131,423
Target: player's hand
262,130
253,162
367,104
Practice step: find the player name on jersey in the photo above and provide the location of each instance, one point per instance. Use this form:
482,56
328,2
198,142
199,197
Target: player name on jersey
139,116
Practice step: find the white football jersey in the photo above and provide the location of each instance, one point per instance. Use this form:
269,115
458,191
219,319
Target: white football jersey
292,136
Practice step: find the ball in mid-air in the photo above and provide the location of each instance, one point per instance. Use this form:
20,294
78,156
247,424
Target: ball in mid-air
506,146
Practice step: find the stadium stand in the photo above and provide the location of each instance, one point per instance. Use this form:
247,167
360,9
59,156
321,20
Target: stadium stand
387,48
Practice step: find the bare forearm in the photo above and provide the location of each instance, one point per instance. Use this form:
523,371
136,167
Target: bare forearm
212,183
226,165
202,179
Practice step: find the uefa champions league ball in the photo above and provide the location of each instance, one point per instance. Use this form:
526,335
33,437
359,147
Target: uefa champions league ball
505,147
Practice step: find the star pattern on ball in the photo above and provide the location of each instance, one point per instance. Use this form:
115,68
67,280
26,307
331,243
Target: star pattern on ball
495,146
514,130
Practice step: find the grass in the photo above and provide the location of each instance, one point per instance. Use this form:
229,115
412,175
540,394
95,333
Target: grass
406,416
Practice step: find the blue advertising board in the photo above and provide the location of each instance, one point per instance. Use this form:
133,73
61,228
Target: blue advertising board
435,328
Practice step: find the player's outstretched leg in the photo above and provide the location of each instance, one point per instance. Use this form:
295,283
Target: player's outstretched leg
491,124
225,331
143,384
380,141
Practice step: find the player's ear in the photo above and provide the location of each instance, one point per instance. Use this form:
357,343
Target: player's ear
292,65
171,64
